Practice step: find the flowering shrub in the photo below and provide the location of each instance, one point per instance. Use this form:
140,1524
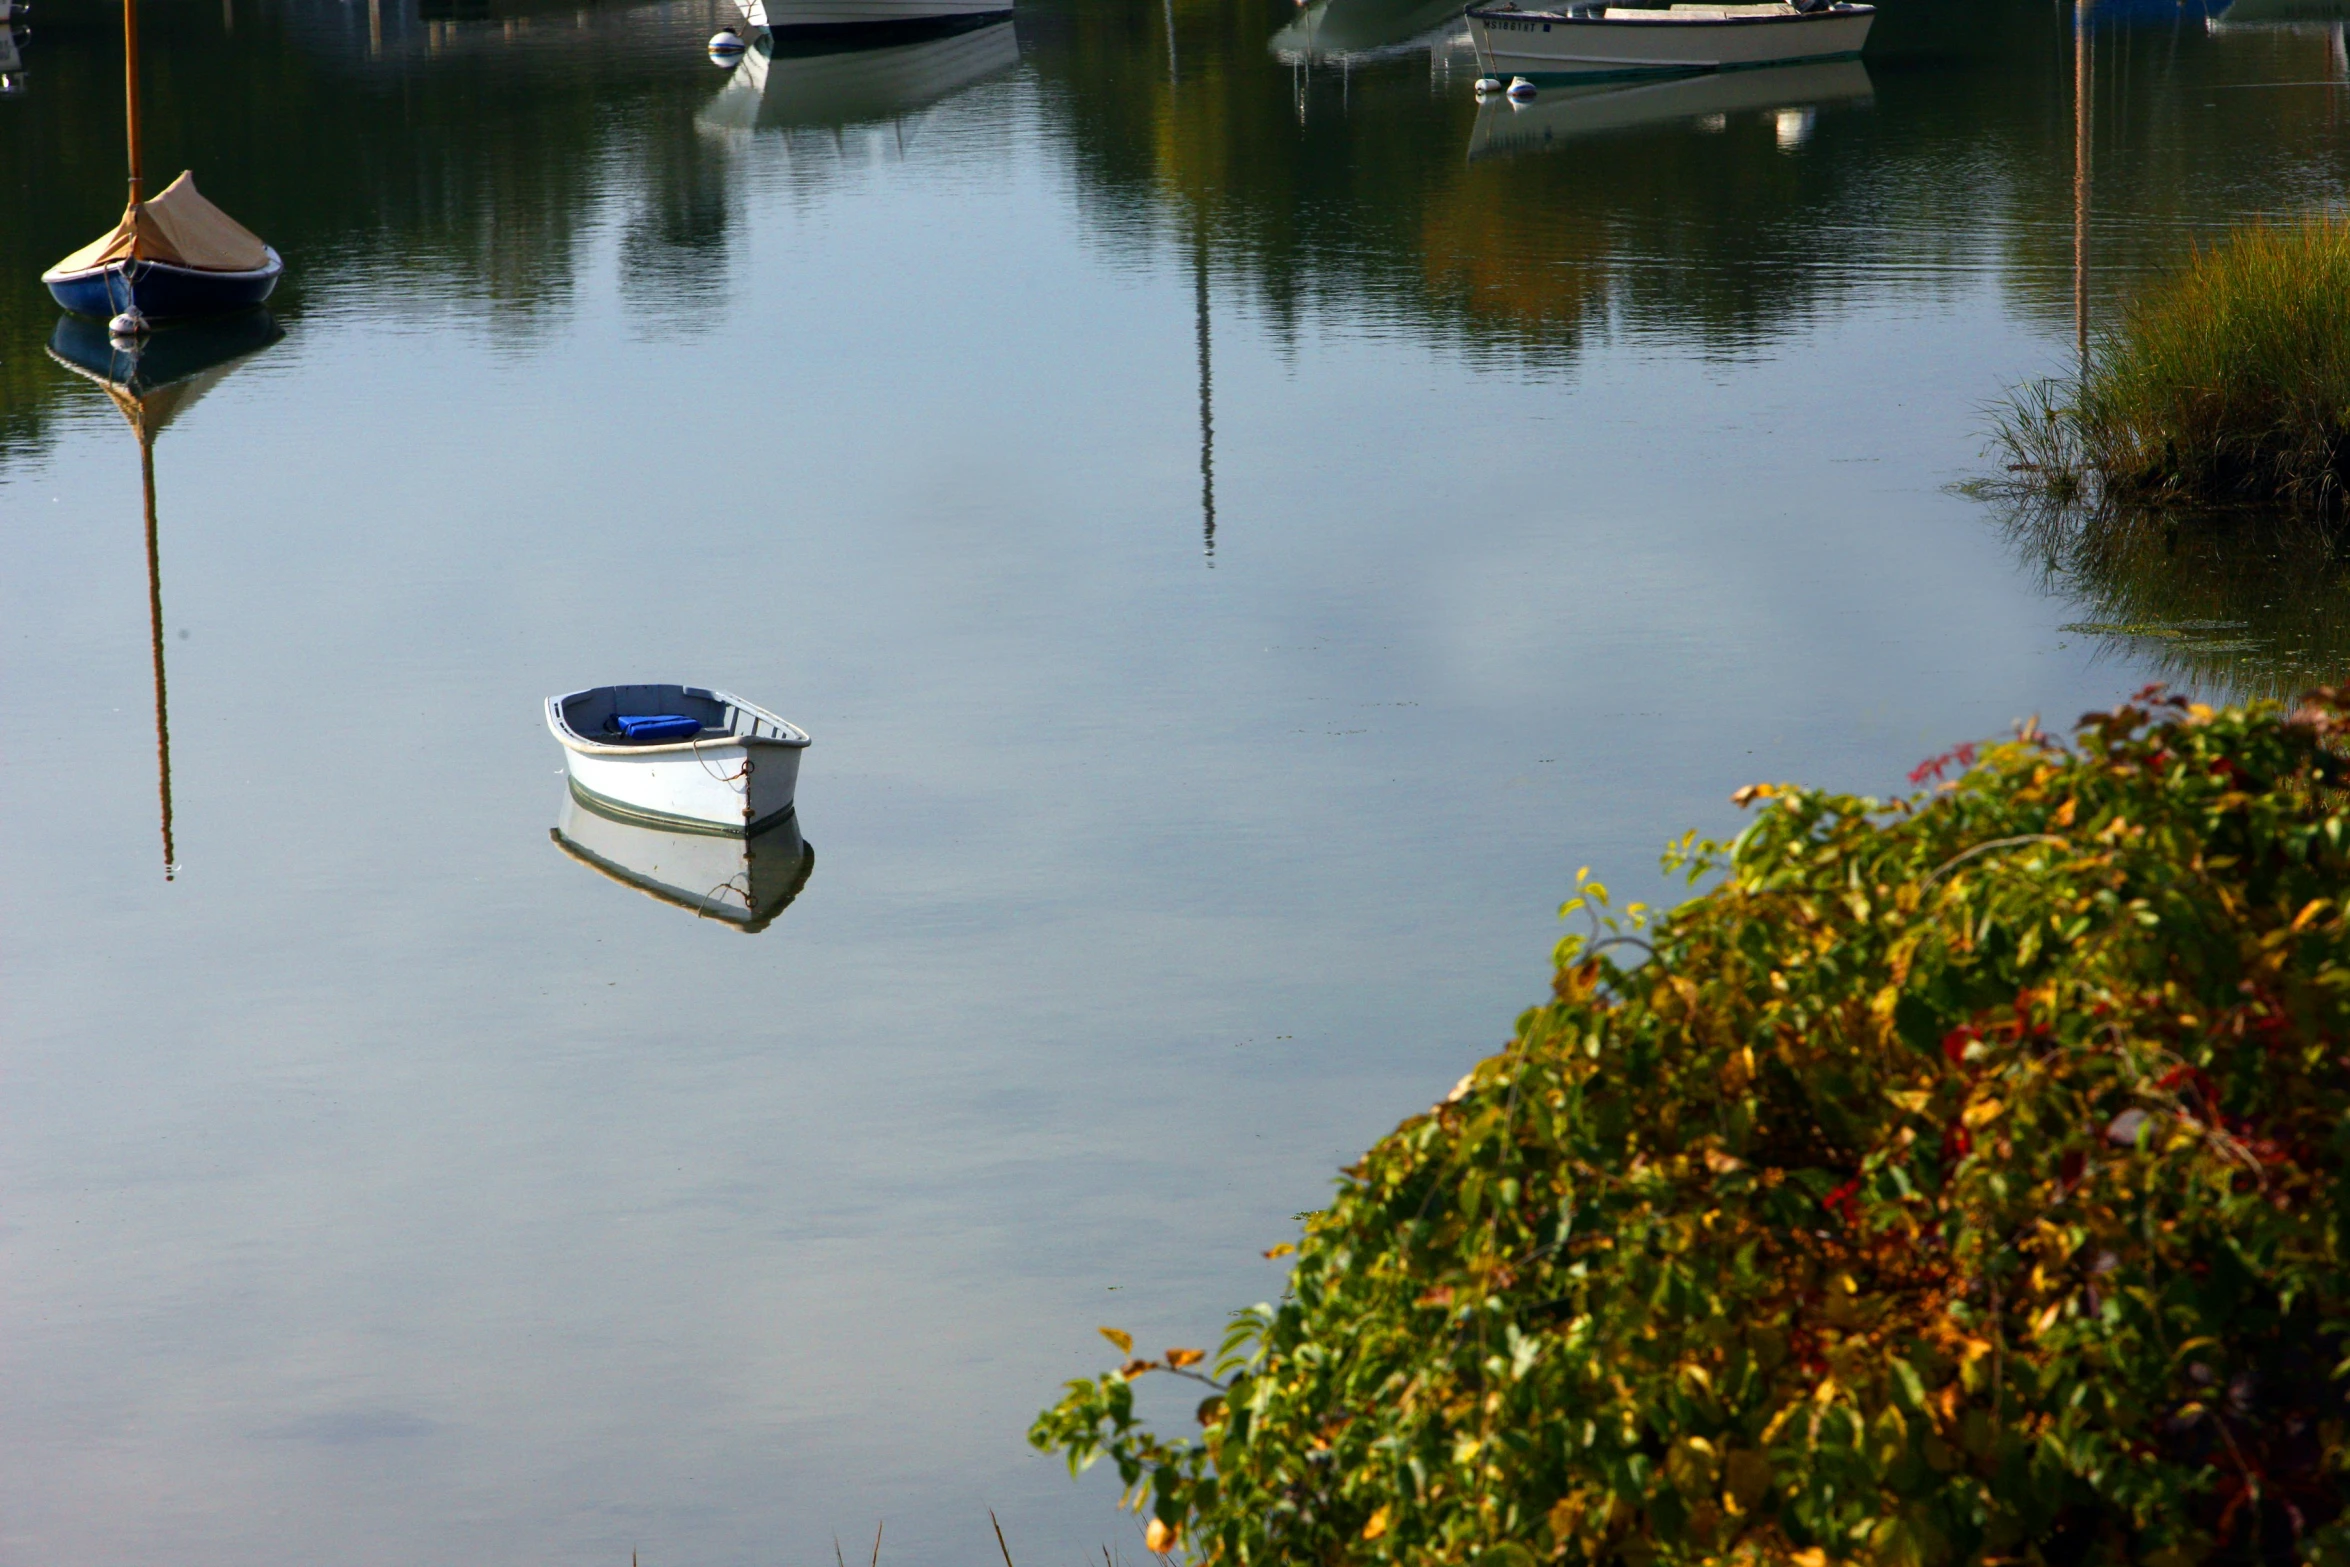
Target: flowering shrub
1959,1179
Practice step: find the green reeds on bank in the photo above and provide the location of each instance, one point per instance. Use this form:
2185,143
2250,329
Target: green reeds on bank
2225,385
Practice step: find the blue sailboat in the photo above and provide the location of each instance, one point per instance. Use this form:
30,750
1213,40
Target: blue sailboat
173,256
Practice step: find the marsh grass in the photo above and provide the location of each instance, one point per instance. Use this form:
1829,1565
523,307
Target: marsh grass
2226,385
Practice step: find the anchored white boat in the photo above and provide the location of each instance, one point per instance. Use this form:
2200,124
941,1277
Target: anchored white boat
742,882
686,758
1593,39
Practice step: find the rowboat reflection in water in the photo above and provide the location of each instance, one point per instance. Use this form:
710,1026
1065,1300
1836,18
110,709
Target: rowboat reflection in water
1364,30
742,882
153,381
11,63
1562,114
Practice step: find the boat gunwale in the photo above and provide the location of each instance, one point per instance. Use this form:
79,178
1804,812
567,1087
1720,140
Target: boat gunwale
275,268
793,738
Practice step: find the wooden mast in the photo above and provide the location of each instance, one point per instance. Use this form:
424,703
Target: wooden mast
130,88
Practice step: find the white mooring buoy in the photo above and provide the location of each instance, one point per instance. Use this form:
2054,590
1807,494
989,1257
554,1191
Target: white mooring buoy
1521,89
1486,84
129,324
726,41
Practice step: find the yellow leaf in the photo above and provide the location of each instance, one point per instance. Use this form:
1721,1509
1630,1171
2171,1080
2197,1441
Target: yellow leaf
1283,1250
1124,1341
1179,1358
1377,1526
1158,1539
1815,1557
1983,1111
2047,1319
1721,1163
1751,793
2302,919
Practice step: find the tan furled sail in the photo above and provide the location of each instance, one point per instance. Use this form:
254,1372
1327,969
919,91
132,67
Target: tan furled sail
179,228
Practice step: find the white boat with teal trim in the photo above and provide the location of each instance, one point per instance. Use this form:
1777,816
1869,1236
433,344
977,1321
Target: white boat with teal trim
1589,38
686,758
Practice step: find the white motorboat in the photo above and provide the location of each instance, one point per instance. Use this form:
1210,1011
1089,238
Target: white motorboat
1594,39
684,758
848,18
741,882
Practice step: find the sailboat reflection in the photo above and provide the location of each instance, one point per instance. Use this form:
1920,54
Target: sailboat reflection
787,85
153,382
1565,114
1362,29
2326,22
742,882
11,63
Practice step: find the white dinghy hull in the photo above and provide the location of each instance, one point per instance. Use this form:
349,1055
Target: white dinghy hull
737,776
844,18
1591,40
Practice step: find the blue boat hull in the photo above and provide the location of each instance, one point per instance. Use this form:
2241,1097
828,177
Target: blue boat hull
160,291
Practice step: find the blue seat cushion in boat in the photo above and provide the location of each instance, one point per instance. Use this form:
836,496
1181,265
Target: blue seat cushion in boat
654,726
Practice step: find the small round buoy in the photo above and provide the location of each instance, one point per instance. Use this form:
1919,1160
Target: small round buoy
129,324
726,41
1486,84
1520,88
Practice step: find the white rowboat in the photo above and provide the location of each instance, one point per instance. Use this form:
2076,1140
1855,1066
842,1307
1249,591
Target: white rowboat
734,772
1586,40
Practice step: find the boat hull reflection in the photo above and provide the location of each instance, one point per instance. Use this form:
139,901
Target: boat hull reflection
740,882
1567,114
148,365
782,85
1347,29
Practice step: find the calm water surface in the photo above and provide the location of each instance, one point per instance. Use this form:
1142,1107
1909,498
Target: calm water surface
1243,524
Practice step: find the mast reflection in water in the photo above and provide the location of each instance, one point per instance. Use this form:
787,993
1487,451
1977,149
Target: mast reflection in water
153,382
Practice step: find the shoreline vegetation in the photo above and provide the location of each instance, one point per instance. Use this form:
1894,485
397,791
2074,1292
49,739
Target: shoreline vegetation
1956,1179
2225,385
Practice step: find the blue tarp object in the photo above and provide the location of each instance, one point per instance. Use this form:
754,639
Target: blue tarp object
656,726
